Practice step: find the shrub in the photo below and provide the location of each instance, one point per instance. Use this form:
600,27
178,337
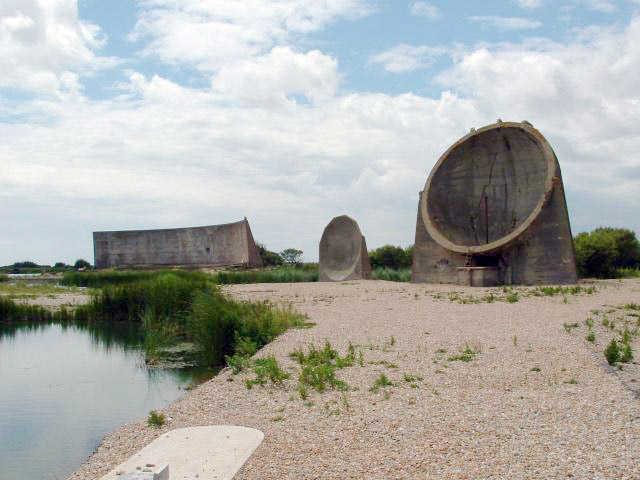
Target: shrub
155,419
612,352
292,256
269,259
390,256
81,263
384,273
604,251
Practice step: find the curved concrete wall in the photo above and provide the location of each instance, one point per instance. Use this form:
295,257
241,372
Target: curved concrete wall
494,205
213,245
343,251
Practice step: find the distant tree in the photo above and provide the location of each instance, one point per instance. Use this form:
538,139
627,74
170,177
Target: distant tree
269,259
603,251
291,256
390,256
60,266
80,263
25,264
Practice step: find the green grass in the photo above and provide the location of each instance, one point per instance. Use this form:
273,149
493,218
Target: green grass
392,275
306,273
267,369
155,419
103,278
381,382
467,355
318,368
628,273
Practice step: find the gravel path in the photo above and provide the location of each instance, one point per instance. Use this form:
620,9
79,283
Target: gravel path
494,417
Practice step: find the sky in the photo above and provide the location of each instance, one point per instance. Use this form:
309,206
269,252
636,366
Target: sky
135,114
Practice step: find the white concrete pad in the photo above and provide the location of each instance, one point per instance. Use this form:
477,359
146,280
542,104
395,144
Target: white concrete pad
203,453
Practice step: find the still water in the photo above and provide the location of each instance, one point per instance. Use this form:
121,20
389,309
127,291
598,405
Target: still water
62,388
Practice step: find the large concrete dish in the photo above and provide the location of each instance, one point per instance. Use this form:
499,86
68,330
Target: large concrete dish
340,249
488,188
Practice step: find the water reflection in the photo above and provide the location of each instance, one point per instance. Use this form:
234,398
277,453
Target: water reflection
63,387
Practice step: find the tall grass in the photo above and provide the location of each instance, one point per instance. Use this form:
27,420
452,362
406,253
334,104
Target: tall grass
11,311
4,277
276,275
392,275
112,277
223,327
628,273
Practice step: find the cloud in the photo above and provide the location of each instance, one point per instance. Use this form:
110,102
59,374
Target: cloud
505,23
605,6
274,79
424,9
529,4
208,34
44,46
406,58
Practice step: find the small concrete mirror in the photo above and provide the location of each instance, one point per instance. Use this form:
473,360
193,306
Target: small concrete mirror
343,252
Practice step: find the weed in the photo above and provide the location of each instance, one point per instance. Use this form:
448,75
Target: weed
512,297
361,358
412,378
381,382
570,326
535,369
319,366
155,419
612,352
591,337
412,400
589,323
627,354
571,381
515,340
278,418
467,355
268,369
302,390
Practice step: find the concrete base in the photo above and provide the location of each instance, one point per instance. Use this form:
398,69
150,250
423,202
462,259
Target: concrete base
205,453
478,276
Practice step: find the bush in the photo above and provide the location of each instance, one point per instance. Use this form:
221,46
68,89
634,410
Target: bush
390,256
391,275
269,259
595,254
292,256
612,352
81,263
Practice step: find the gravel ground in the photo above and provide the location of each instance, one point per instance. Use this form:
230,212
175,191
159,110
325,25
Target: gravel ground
536,401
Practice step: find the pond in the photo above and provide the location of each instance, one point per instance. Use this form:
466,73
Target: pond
62,388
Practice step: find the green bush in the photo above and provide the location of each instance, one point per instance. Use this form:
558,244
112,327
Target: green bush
612,352
389,274
390,256
269,259
607,252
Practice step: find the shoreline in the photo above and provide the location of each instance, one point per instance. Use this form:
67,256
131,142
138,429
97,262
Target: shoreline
490,417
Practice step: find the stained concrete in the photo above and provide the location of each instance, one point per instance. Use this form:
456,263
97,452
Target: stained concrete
343,252
495,199
214,245
203,453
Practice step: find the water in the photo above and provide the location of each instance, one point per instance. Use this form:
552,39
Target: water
62,388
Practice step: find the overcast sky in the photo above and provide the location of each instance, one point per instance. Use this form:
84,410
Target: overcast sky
126,114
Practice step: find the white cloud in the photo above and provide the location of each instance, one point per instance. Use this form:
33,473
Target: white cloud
44,45
210,33
529,4
406,58
605,6
506,23
273,78
424,9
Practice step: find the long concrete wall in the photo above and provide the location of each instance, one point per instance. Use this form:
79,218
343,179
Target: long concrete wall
213,245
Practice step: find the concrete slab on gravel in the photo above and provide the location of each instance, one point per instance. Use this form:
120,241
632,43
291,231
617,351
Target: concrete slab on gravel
206,453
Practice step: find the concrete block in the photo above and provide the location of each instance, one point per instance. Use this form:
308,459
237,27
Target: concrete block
206,453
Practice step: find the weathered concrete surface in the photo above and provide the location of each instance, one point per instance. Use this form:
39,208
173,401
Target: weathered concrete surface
343,252
214,245
495,199
203,453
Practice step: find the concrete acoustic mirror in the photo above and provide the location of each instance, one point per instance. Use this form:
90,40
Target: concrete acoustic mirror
343,252
493,212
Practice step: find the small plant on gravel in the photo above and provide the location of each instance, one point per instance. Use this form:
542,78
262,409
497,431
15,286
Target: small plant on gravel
411,378
589,323
267,369
570,326
467,355
515,340
612,352
627,354
381,382
360,358
319,367
279,418
571,381
512,297
535,369
591,337
155,419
